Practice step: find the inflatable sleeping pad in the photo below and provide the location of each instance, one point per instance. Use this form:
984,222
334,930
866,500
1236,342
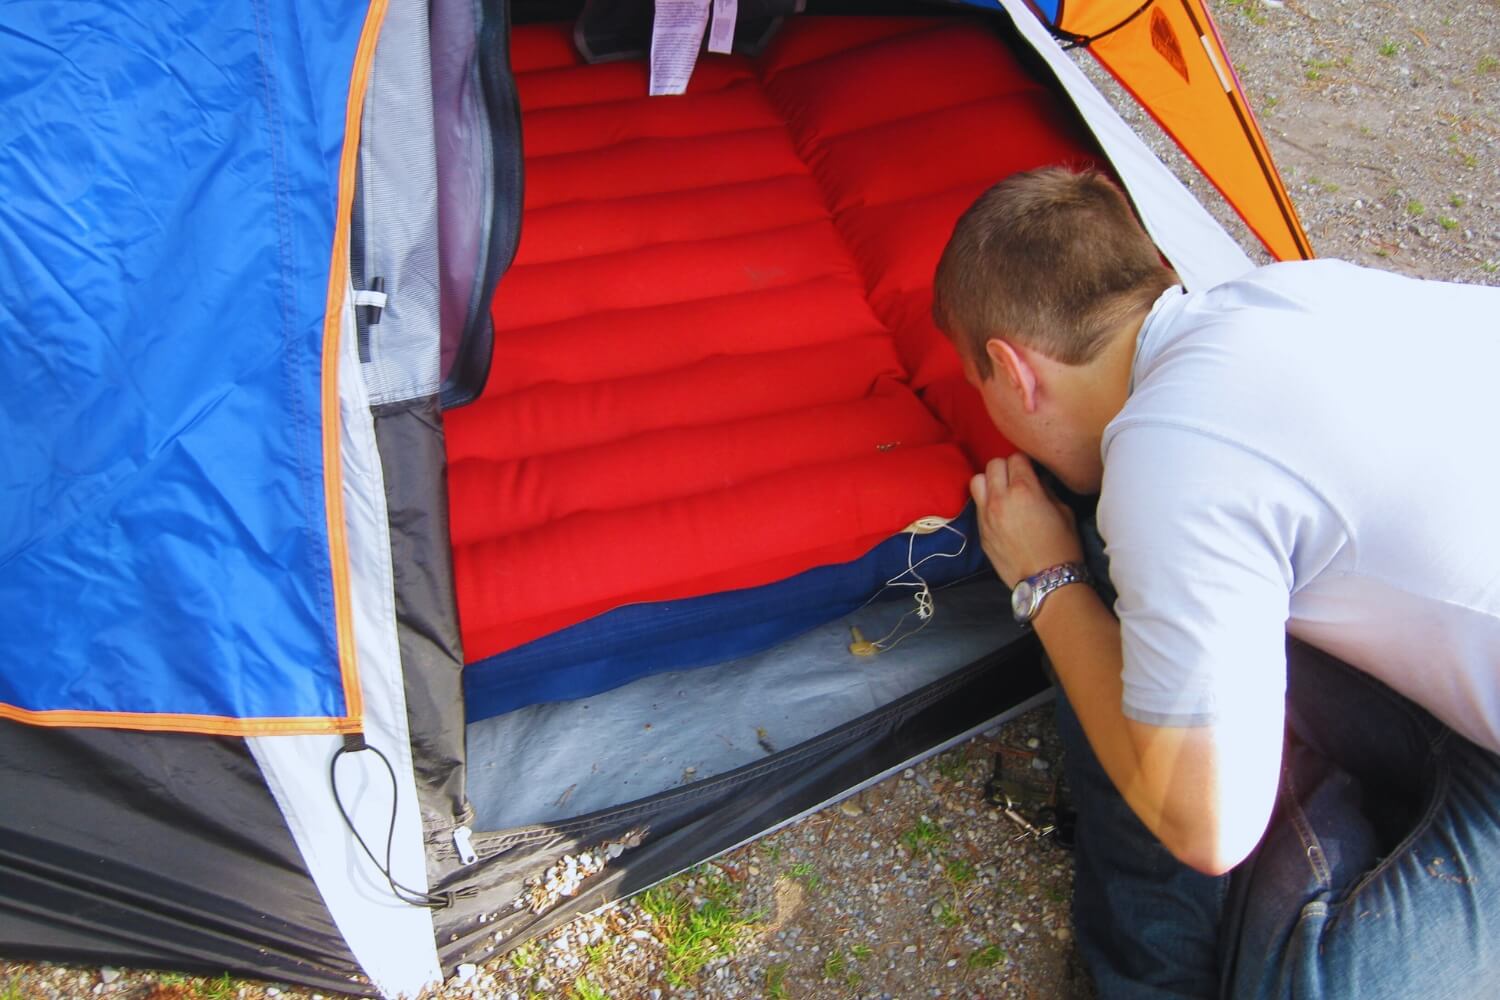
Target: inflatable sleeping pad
717,396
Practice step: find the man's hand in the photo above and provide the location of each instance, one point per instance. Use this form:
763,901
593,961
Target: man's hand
1024,529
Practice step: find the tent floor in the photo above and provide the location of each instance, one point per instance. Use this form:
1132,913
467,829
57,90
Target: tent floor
670,730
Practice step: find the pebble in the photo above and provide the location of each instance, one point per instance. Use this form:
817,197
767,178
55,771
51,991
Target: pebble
109,974
1033,743
466,972
849,807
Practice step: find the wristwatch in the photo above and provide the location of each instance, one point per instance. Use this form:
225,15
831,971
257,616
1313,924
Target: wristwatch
1026,600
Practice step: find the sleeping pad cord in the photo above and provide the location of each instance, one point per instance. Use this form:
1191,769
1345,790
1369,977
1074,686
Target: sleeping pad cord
354,743
925,606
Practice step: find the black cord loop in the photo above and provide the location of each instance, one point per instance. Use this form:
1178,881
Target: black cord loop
354,743
1075,41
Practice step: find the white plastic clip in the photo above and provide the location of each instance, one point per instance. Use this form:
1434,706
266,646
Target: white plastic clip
367,297
466,853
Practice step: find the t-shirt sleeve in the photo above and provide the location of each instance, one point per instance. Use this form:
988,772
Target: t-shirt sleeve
1200,536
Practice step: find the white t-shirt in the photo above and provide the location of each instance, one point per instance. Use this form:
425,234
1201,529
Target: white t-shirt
1311,449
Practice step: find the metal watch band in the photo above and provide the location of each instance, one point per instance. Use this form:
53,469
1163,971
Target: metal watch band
1026,602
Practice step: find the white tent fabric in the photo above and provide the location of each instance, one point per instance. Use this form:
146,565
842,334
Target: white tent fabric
393,940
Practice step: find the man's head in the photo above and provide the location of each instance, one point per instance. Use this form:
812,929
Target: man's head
1043,275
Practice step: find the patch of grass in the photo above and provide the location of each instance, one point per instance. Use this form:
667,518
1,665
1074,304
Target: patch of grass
776,981
959,871
1490,266
1057,894
987,957
1415,207
222,988
585,988
1269,102
1447,222
953,765
925,837
1315,68
806,873
1488,64
695,934
1388,48
836,970
1456,200
1250,10
860,952
599,952
1328,187
948,916
524,958
11,990
773,853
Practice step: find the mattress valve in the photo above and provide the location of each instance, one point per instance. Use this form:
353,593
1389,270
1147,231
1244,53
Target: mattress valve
862,646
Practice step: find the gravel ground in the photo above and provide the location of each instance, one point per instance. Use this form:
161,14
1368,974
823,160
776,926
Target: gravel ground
1384,119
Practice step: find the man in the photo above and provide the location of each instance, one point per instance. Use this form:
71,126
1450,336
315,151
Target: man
1307,452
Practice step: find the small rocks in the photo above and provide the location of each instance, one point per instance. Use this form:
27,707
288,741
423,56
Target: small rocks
109,974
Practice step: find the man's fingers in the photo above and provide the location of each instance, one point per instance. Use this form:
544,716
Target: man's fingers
979,489
1018,466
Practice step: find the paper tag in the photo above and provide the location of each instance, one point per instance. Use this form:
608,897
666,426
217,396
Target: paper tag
721,35
676,34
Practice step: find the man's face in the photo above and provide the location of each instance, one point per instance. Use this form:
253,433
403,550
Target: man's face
1045,433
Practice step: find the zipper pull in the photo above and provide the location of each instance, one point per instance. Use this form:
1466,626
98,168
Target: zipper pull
466,854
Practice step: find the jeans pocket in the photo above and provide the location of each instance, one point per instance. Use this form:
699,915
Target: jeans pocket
1437,793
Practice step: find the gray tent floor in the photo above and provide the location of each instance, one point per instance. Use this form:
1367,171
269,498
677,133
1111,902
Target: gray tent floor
549,762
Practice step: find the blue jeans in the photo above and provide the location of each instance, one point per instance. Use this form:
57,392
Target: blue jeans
1378,877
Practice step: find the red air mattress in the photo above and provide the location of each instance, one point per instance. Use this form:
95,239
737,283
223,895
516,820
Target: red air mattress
714,366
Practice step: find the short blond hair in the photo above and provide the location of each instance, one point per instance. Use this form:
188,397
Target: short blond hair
1053,259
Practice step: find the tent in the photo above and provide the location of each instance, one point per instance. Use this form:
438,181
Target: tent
258,709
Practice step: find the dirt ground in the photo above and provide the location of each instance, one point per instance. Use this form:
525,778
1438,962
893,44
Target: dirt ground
1384,119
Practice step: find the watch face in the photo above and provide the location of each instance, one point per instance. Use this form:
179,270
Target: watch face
1020,601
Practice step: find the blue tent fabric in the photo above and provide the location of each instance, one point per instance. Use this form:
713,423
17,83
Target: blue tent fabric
637,640
171,179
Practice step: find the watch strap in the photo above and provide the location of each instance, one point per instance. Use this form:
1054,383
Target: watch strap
1053,578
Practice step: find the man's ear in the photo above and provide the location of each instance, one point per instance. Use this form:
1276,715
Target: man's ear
1013,364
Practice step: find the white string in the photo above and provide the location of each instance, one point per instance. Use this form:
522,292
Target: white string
925,607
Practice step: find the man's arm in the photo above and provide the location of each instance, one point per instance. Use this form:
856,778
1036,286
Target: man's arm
1205,791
